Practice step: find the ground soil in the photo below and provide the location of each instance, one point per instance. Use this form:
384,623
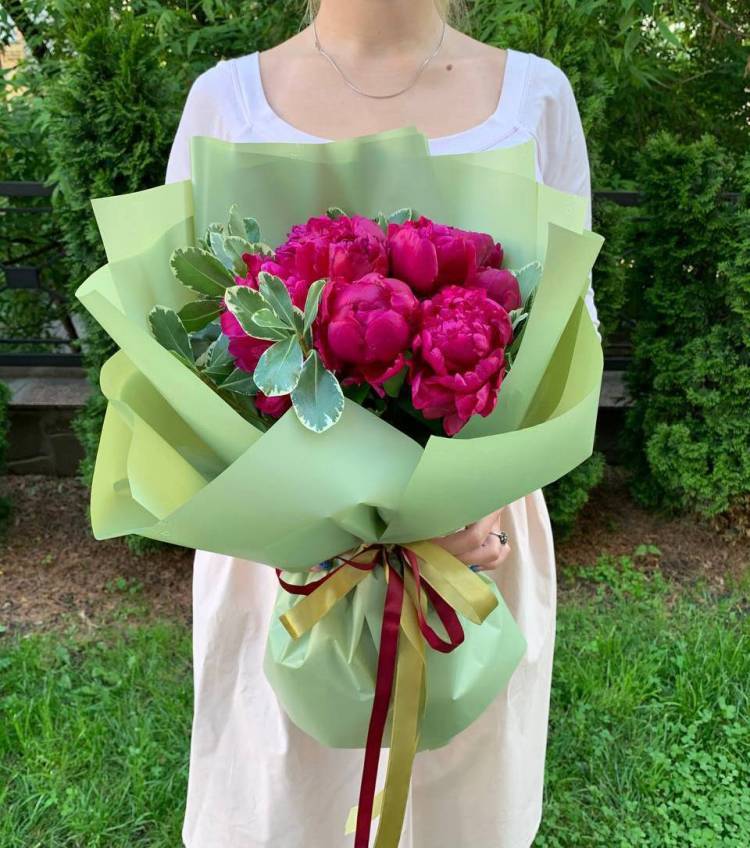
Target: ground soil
53,573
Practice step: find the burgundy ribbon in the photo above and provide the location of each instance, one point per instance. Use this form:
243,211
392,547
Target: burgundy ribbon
386,671
389,633
309,588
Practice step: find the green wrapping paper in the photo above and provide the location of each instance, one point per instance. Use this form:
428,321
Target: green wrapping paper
178,464
326,678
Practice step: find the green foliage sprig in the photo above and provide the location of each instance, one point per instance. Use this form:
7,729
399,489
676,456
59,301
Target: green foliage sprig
290,365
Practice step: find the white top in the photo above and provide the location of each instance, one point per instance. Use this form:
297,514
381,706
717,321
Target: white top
537,102
255,780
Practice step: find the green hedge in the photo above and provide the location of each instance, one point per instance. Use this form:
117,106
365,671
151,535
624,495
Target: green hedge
567,497
110,116
110,123
688,431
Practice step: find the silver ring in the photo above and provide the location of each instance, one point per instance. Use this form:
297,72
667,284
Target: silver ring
502,536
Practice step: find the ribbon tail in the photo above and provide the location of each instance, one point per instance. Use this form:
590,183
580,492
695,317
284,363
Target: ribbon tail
351,820
408,706
389,639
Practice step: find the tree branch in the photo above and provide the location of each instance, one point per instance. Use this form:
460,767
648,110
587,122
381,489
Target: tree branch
719,21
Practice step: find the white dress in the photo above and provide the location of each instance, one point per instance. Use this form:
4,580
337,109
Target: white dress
255,780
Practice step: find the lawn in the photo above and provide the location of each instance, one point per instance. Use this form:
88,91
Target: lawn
649,739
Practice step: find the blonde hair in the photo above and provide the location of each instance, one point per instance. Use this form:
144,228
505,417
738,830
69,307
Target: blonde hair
452,11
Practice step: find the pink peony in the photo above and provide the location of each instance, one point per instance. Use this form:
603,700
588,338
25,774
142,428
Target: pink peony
429,256
500,285
275,407
256,263
365,327
459,356
345,247
246,352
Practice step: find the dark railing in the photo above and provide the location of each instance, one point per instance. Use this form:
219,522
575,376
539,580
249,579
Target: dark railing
19,275
25,272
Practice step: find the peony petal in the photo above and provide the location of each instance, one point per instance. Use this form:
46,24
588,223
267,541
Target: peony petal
413,260
346,341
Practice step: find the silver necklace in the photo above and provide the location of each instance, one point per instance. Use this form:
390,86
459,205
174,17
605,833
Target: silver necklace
358,90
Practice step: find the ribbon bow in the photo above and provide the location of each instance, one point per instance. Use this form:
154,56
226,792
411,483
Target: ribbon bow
417,574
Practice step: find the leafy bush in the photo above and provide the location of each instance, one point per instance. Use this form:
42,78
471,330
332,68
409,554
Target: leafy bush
688,431
110,122
635,68
109,127
610,276
567,496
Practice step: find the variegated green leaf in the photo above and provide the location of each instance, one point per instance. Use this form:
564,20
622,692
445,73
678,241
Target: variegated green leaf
401,215
201,271
298,316
244,302
219,362
269,319
312,303
203,339
278,369
236,223
219,354
215,227
318,400
276,295
261,248
273,334
235,247
252,229
240,382
528,278
216,241
196,314
169,331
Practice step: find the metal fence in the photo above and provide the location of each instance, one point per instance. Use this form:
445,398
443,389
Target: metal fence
24,271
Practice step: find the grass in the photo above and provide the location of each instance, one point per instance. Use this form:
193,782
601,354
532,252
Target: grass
649,735
94,737
649,738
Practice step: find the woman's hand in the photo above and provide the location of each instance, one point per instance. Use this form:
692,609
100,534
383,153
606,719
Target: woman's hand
477,544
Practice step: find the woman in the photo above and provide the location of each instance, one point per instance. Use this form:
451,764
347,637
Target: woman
364,66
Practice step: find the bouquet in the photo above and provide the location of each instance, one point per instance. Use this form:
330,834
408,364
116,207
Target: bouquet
341,392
